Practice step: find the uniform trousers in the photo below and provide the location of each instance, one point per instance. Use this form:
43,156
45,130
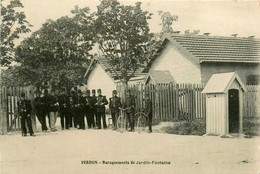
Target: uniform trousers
26,118
90,119
103,116
53,118
131,119
42,119
114,118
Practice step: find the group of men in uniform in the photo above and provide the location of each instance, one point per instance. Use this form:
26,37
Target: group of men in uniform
75,107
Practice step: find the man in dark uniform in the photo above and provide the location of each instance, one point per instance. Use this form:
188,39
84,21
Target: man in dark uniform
54,107
130,109
24,109
47,100
81,113
114,105
93,102
101,109
71,110
40,110
148,111
89,111
75,109
65,112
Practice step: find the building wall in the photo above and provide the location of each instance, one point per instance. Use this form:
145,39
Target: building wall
243,70
99,79
182,69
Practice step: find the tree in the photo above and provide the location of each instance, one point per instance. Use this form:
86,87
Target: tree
194,32
58,52
167,21
13,24
123,36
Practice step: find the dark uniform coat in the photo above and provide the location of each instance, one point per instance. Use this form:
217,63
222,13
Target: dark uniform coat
114,104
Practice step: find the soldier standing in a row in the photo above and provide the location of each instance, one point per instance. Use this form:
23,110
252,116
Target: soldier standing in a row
74,108
94,107
130,109
101,110
65,113
89,110
148,111
53,109
24,109
40,110
81,113
114,105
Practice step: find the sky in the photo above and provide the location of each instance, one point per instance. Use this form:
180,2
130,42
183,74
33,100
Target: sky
219,18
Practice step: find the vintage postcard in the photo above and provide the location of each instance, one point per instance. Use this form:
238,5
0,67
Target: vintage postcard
110,86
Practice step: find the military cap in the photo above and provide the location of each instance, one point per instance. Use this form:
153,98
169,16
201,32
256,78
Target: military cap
93,91
88,91
99,90
114,92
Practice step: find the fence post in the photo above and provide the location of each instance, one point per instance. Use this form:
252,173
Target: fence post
3,121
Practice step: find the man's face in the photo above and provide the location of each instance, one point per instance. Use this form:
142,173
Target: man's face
114,94
93,93
99,92
88,94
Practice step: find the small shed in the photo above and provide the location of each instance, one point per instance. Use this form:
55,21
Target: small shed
159,77
224,104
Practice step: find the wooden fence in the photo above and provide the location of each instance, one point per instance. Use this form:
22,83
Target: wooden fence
182,101
251,102
170,103
9,118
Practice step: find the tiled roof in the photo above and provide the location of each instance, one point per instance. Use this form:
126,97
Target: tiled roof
161,77
219,49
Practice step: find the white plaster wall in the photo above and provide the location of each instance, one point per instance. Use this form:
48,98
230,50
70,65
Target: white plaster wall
182,70
100,79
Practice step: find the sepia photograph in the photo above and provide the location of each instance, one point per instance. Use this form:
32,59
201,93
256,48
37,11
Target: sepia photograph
128,86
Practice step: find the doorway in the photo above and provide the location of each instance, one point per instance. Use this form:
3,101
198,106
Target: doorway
233,110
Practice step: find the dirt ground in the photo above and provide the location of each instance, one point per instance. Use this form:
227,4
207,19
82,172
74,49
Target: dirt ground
63,152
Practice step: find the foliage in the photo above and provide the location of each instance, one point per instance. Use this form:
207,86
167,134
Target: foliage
123,37
58,52
251,126
13,23
194,32
167,21
194,127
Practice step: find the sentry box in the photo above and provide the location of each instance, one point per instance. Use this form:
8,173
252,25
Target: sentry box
224,104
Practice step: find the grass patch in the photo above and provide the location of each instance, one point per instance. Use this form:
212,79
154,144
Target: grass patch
251,126
194,127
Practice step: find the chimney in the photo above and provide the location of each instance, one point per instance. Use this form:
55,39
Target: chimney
176,32
206,34
234,35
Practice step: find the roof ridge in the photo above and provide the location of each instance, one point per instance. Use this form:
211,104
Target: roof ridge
210,36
